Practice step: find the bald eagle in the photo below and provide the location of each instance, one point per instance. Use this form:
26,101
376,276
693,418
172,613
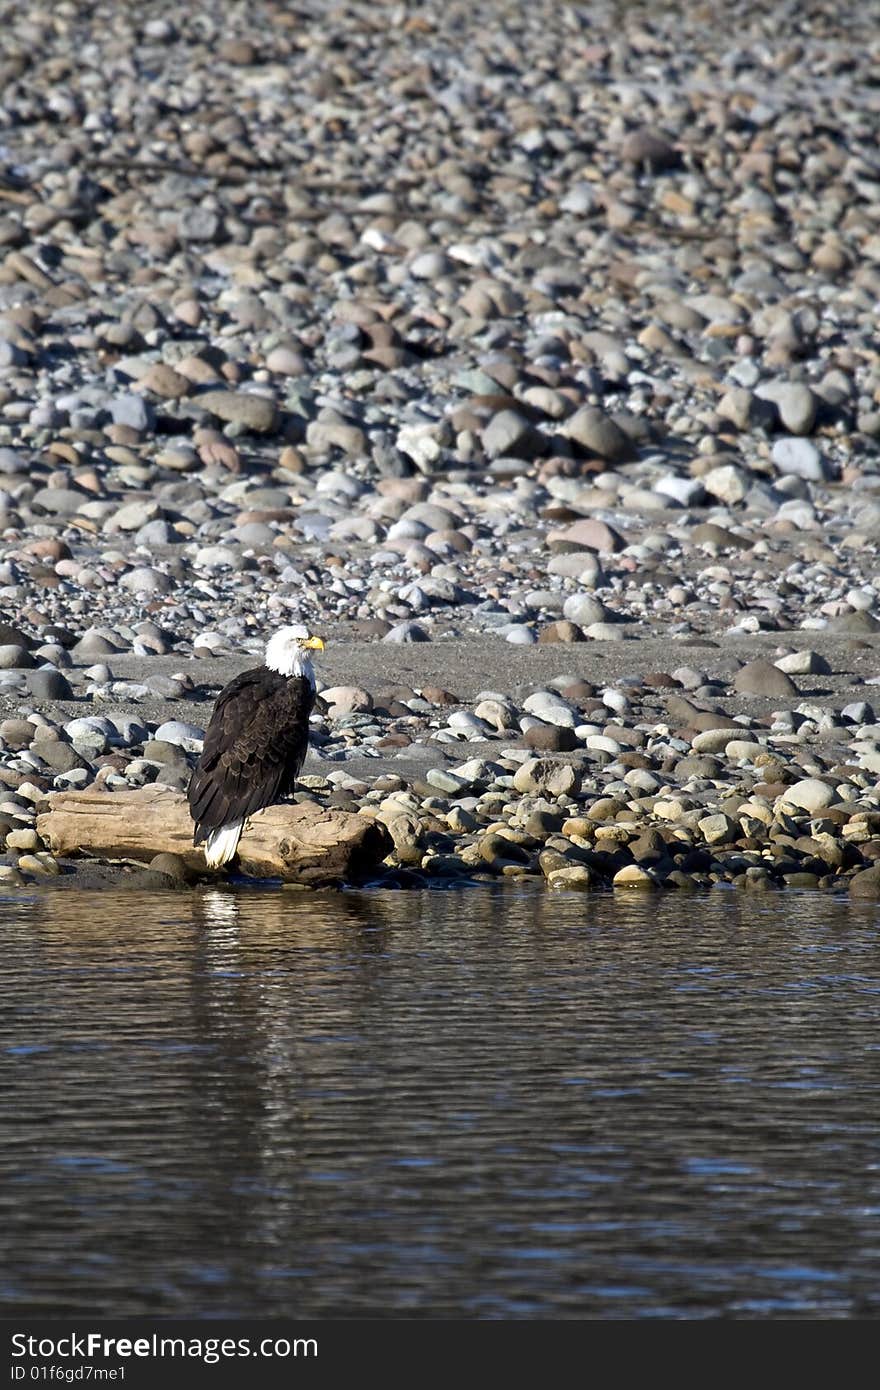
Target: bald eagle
256,743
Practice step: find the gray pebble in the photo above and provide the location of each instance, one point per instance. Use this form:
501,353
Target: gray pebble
49,684
145,580
406,632
133,411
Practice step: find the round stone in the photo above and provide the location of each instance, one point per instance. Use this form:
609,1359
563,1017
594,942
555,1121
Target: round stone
800,458
633,876
811,794
49,684
763,678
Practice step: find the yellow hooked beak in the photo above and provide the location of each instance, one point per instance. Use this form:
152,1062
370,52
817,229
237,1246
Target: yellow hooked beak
314,644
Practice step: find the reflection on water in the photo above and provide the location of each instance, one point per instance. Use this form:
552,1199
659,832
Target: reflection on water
490,1104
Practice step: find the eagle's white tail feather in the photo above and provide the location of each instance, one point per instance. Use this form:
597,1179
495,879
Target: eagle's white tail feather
220,845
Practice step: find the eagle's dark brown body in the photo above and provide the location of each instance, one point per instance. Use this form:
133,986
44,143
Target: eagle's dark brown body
254,748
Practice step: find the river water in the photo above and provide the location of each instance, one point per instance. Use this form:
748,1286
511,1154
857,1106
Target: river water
491,1104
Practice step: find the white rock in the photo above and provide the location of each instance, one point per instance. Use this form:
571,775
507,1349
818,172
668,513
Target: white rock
727,482
718,829
422,443
811,794
91,728
862,600
800,513
803,663
519,635
711,740
601,743
858,712
497,713
641,780
186,736
474,770
551,709
740,750
446,781
346,699
615,700
469,724
800,457
584,609
687,492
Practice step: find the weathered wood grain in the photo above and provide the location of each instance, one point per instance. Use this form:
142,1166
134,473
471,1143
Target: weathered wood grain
300,842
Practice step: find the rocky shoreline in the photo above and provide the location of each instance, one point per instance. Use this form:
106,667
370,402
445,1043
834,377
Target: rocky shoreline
658,779
527,353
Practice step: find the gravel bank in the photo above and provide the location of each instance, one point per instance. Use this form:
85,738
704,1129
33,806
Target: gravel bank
526,353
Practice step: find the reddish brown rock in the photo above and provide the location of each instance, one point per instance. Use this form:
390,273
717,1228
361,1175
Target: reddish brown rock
586,534
562,631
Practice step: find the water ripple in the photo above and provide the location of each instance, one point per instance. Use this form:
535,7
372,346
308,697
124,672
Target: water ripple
489,1104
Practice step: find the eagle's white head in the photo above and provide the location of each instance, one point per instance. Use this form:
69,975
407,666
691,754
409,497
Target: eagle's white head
289,652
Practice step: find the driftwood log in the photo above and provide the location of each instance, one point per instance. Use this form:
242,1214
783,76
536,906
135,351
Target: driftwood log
300,842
